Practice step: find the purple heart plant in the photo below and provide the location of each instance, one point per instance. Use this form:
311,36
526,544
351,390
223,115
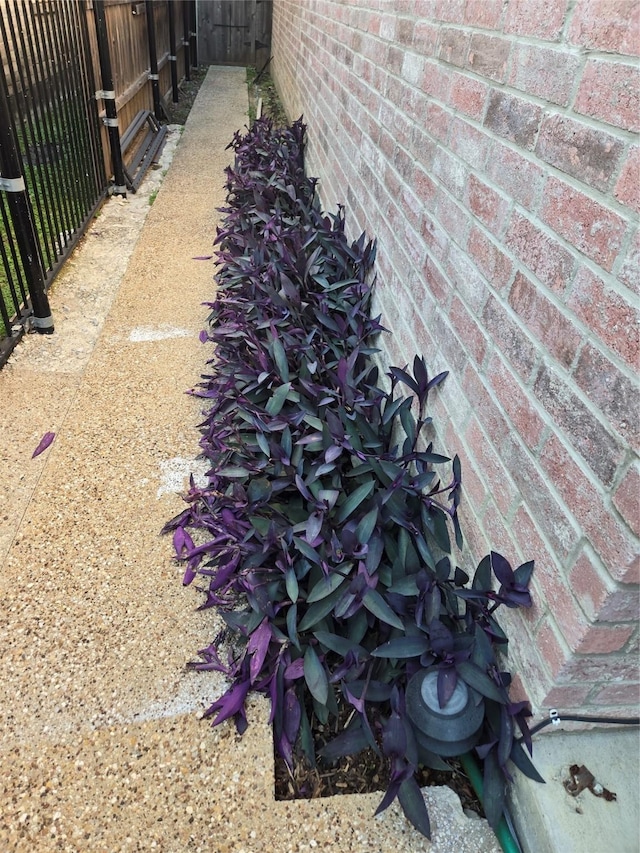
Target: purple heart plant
325,525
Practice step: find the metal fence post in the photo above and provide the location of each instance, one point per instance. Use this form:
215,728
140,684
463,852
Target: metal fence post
186,39
153,61
173,50
108,95
193,32
12,182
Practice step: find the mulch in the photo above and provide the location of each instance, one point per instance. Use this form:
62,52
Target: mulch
366,772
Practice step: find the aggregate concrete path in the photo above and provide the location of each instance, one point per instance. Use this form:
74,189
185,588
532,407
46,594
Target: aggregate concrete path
101,745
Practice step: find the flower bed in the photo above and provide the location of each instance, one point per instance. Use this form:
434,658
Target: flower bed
325,529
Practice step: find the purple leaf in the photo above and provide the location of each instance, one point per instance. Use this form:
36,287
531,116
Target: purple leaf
202,258
45,441
258,646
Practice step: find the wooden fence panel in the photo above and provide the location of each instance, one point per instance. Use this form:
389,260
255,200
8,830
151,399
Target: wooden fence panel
129,49
234,32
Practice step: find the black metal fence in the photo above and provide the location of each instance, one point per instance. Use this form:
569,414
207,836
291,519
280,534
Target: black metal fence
52,174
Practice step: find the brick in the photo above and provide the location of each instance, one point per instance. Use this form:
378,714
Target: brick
492,473
607,313
545,73
589,155
483,13
550,591
627,498
606,534
508,338
413,68
395,59
468,95
613,392
596,669
544,320
436,81
452,217
424,187
585,223
513,119
551,648
487,205
618,694
629,271
488,413
592,586
468,142
539,18
489,258
623,605
438,121
468,330
425,37
514,400
627,189
451,11
453,46
450,172
466,278
437,242
608,25
387,27
609,91
404,31
488,56
519,177
568,696
550,516
603,639
497,532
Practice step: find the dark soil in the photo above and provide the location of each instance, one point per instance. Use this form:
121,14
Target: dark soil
188,89
366,772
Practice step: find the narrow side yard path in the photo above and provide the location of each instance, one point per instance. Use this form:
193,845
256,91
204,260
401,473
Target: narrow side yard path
101,748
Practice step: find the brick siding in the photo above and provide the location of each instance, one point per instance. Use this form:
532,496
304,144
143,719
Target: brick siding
491,148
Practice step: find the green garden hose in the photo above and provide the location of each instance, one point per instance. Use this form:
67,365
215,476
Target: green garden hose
503,833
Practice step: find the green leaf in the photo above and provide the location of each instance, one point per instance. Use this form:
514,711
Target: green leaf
366,526
280,358
325,586
277,399
523,762
353,501
479,680
319,609
291,583
414,806
315,676
402,647
233,472
405,586
376,604
339,645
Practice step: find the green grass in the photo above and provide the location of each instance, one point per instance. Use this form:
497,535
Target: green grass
47,133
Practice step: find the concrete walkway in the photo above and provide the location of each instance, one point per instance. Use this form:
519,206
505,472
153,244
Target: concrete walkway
101,745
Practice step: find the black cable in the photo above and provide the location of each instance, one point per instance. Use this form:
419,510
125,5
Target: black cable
574,718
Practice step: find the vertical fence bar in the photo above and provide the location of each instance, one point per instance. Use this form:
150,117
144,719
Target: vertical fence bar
13,184
193,32
109,97
186,39
153,60
173,50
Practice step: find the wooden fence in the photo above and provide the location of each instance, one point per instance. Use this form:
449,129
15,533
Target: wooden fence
127,27
235,32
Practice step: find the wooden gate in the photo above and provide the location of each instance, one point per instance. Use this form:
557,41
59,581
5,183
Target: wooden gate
234,32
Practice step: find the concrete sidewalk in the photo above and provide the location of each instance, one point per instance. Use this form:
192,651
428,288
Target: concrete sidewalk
101,746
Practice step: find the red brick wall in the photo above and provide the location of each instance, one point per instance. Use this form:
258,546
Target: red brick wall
491,148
